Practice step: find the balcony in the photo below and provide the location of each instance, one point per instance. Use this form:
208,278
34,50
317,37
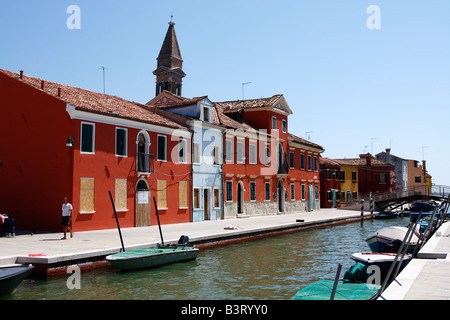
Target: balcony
144,162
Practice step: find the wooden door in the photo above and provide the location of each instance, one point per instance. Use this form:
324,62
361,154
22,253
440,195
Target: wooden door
143,205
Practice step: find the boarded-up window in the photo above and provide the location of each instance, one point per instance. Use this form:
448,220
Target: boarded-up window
87,195
196,198
182,194
162,194
120,200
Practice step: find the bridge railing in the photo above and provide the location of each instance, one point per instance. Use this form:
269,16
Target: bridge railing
435,190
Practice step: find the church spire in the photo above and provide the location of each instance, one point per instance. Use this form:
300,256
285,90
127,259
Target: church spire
169,72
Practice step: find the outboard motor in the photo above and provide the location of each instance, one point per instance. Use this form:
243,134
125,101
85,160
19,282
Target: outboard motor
184,240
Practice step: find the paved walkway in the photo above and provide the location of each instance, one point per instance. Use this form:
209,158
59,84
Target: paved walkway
48,248
426,277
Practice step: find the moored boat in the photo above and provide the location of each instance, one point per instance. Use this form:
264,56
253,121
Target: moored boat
388,236
383,260
152,257
322,290
12,276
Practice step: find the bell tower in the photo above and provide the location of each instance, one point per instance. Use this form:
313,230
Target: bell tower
169,72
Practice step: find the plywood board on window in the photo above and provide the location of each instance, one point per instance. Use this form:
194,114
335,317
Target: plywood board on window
182,194
121,194
87,195
162,194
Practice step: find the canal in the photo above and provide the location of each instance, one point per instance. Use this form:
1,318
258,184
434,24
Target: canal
272,268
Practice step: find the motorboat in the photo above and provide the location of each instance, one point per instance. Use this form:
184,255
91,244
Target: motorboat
382,260
389,238
12,276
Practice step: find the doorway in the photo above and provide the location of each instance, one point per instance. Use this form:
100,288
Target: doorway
207,204
280,197
240,198
142,212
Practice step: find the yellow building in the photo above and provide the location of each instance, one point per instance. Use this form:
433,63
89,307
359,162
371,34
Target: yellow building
348,176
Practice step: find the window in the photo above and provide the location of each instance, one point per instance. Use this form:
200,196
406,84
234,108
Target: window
328,174
87,195
87,137
382,178
316,166
417,179
291,160
316,189
229,190
121,142
120,199
162,148
354,176
274,123
252,153
182,195
206,114
240,152
342,196
216,198
216,155
302,161
182,148
349,195
355,195
196,153
196,198
267,191
292,191
303,192
284,125
342,175
309,163
267,159
252,191
162,194
229,150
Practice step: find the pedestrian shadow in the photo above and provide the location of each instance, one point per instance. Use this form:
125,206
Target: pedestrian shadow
50,239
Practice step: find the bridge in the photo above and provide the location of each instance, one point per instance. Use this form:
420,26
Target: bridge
391,200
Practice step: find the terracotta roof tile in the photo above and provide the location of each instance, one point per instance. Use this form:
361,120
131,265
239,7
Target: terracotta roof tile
237,105
95,102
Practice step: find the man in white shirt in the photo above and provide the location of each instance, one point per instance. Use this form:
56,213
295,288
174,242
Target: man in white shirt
66,217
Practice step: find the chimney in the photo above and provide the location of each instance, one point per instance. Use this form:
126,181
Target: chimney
388,150
42,84
59,92
154,110
21,74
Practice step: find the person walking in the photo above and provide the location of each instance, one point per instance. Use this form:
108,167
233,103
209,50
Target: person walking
66,217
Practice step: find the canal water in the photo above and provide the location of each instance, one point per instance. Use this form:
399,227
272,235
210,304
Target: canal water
272,268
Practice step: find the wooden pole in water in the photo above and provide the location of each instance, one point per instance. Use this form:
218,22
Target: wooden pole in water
117,221
371,207
336,281
159,225
362,210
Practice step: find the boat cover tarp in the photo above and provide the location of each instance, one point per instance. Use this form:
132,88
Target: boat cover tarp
321,290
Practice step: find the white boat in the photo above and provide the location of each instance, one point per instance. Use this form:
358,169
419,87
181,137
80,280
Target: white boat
383,260
391,237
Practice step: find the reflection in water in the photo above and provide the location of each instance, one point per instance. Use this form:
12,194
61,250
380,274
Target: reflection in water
270,268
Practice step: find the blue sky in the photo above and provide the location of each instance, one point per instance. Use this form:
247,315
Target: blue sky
351,87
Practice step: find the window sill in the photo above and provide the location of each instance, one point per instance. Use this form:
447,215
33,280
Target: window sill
87,212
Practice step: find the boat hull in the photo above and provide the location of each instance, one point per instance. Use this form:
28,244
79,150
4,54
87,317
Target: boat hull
152,257
386,236
11,277
382,260
322,289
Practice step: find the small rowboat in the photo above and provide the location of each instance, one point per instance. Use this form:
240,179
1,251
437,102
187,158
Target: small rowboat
152,257
11,277
381,260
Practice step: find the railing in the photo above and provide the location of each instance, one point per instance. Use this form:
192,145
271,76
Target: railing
144,162
434,190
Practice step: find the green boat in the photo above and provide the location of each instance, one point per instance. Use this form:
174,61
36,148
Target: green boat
152,257
322,289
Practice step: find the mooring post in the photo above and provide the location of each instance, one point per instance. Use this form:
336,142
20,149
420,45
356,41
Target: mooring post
371,207
336,281
362,210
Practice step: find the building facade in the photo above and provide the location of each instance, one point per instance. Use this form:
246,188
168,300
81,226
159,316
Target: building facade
85,145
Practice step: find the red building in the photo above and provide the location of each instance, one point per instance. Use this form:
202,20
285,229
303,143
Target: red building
330,183
266,169
60,141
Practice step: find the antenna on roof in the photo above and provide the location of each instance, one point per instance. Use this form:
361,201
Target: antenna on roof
243,84
171,17
103,68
